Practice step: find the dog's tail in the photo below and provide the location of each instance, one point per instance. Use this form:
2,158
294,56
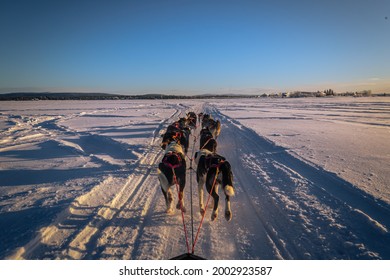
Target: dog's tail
162,176
218,129
227,178
165,174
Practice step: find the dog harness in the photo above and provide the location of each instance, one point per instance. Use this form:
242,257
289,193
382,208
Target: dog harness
170,165
214,161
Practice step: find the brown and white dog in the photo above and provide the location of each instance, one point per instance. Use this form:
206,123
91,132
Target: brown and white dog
213,125
191,120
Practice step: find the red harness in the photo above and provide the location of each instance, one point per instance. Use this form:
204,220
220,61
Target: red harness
170,165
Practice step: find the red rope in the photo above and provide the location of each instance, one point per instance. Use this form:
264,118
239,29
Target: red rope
190,158
204,145
181,209
204,213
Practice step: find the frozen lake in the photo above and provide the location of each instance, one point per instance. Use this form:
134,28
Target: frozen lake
78,179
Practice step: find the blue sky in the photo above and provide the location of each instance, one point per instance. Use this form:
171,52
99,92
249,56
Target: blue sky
200,46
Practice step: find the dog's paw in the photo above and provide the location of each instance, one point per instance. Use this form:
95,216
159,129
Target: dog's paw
202,211
214,216
228,216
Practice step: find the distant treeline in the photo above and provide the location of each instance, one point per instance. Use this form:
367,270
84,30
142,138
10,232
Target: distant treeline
23,96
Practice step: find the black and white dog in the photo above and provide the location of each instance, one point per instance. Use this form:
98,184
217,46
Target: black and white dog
213,171
172,171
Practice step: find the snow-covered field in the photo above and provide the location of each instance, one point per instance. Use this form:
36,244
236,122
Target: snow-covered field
78,180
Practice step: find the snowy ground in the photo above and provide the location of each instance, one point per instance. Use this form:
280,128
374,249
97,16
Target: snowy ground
78,180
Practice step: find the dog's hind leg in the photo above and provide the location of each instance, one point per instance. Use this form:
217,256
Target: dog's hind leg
214,214
169,202
180,203
228,210
213,191
165,188
201,182
201,173
182,183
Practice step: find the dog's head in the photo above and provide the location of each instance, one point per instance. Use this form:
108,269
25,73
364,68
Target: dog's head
191,115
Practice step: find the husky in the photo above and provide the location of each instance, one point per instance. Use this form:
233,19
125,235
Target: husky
213,125
172,171
177,132
191,120
214,171
205,137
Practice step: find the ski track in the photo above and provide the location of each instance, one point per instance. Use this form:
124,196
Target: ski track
284,207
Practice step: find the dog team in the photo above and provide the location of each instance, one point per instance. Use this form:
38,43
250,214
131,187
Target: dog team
213,171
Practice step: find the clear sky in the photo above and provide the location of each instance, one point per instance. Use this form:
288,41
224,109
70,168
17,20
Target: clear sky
194,45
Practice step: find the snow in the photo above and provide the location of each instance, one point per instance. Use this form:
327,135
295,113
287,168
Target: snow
347,136
78,180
